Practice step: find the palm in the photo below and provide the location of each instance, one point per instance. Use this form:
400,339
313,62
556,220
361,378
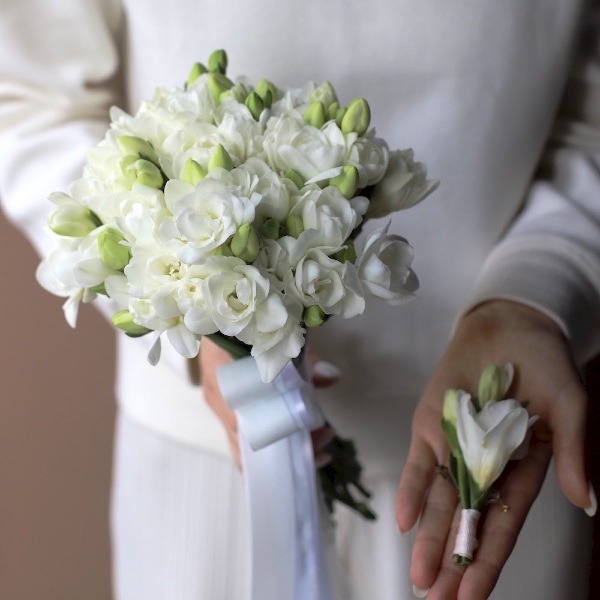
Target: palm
498,332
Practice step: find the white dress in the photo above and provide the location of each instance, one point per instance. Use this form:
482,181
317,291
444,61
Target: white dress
474,87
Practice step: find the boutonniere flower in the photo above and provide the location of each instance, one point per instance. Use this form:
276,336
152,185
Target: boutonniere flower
484,433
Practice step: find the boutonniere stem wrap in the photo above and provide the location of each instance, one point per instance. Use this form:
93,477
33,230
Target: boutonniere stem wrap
484,432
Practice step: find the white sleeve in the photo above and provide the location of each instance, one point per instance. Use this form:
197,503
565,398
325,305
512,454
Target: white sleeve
550,258
59,75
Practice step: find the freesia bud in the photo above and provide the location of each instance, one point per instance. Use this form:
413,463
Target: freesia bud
357,117
314,316
147,174
295,178
339,115
217,62
197,70
294,226
73,220
218,84
348,254
193,172
271,229
112,252
220,159
315,114
449,419
130,144
255,104
493,384
267,91
244,243
222,250
346,181
332,111
124,321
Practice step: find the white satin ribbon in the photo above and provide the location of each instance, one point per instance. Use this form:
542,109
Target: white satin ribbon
274,424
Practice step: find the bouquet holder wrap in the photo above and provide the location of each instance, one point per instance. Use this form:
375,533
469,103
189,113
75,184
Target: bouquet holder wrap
274,424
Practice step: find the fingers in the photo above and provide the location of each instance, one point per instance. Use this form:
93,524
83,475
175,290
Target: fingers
430,546
320,439
414,483
568,424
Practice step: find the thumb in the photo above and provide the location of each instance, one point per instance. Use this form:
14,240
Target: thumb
568,423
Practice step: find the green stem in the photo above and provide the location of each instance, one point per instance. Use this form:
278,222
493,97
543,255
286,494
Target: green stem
463,483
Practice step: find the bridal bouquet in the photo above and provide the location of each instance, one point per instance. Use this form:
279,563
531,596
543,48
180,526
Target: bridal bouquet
484,433
229,210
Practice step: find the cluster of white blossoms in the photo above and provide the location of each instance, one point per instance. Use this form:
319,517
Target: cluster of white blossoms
222,208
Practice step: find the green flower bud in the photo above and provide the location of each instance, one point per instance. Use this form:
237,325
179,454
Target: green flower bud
193,171
130,144
314,316
450,407
148,174
294,225
271,229
339,115
449,420
217,62
127,169
315,114
332,111
112,252
255,104
295,178
73,220
493,384
267,91
220,159
197,70
347,254
357,117
218,84
222,250
244,243
124,321
346,181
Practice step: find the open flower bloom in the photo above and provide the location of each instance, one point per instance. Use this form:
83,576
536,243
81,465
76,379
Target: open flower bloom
489,437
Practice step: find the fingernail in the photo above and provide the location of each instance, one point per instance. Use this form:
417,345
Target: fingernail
402,533
325,369
419,593
591,509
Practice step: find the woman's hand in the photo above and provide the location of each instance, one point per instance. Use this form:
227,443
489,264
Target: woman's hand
495,332
211,357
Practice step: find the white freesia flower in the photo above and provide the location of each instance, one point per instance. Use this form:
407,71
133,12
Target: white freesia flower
329,213
404,185
237,294
489,437
370,155
273,348
207,216
384,267
322,280
305,149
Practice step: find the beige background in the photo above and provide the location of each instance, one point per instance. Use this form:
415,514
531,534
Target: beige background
56,426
